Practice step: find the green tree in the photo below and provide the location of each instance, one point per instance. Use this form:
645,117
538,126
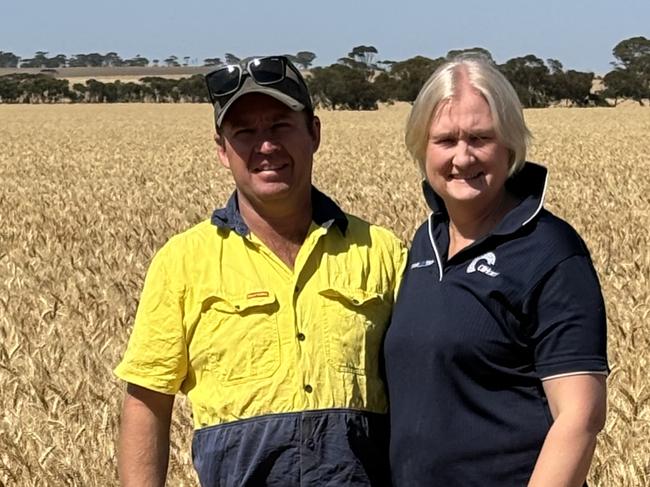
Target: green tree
361,58
212,61
58,61
193,89
633,58
38,61
579,85
632,53
137,61
570,86
95,91
364,54
129,92
305,59
621,84
112,59
405,78
8,60
172,61
470,52
44,89
161,90
554,66
341,87
94,59
231,58
9,89
77,61
530,78
80,91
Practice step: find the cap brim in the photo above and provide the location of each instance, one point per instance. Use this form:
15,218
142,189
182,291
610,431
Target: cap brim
251,87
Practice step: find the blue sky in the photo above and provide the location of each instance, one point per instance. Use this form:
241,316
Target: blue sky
580,33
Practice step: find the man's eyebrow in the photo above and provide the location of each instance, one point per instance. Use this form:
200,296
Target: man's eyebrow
281,116
245,121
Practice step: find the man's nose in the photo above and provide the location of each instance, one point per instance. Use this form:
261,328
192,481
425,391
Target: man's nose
267,144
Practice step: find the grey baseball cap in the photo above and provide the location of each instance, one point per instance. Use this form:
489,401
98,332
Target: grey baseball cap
291,89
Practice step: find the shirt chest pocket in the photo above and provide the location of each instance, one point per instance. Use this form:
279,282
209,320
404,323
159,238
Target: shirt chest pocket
355,321
242,331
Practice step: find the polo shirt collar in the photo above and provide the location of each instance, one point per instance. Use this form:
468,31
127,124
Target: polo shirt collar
325,213
529,185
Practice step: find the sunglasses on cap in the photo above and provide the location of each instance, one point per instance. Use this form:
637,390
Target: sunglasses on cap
265,71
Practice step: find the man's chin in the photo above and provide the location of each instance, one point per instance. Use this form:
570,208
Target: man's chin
272,191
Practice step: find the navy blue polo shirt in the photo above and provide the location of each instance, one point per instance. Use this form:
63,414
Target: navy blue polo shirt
473,336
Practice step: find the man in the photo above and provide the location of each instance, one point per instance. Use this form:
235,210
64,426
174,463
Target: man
269,316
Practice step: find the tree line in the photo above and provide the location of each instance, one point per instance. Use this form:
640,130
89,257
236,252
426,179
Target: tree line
358,80
42,60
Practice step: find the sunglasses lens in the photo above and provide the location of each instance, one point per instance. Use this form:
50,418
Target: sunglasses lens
224,81
267,70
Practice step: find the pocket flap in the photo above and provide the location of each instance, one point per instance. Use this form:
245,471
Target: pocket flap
243,302
354,297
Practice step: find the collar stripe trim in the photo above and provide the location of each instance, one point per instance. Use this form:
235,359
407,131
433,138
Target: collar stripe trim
541,202
433,244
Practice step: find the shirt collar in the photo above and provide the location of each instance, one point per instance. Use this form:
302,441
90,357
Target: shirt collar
529,185
325,212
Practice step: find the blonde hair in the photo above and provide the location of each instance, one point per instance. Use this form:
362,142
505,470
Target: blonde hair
507,114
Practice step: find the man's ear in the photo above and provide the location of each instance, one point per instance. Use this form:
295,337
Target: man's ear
315,132
220,140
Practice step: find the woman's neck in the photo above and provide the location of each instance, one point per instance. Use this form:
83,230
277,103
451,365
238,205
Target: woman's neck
467,223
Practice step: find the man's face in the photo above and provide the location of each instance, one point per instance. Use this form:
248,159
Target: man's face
269,150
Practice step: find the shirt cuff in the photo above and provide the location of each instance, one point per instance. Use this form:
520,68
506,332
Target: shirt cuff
581,372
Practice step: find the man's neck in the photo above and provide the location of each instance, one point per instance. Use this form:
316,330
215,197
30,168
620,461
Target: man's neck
282,228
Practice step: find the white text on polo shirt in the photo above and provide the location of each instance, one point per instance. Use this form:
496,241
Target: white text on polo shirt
422,263
478,265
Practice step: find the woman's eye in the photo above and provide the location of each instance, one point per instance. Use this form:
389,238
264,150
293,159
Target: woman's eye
482,139
445,141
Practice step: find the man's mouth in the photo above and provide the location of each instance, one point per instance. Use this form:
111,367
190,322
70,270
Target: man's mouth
270,167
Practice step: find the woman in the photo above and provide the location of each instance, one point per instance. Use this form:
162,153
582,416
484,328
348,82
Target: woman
496,355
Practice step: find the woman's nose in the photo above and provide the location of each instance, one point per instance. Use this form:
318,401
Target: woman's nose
463,154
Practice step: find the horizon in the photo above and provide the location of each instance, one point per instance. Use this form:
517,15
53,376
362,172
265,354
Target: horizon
580,34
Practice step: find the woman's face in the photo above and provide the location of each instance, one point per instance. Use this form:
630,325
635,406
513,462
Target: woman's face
465,163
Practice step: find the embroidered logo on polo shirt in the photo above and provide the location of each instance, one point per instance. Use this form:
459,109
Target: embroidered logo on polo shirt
483,264
422,263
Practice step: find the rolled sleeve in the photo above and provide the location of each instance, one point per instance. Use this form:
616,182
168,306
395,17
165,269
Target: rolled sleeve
570,332
156,355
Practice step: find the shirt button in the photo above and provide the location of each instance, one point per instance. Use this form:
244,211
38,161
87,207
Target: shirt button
301,336
310,444
308,388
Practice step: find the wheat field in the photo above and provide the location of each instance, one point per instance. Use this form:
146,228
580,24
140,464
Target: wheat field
89,192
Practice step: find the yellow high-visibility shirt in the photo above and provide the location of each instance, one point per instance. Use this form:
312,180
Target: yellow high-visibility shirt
224,320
